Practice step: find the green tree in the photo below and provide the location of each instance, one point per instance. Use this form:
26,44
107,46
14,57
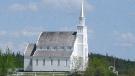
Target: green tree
7,64
98,67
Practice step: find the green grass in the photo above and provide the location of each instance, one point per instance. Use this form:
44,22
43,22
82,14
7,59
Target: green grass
42,74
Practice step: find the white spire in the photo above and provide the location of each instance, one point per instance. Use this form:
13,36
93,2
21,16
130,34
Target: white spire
82,9
82,18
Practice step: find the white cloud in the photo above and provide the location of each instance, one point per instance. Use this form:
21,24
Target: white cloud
67,4
17,7
29,33
33,7
13,46
22,47
7,45
23,7
125,39
24,33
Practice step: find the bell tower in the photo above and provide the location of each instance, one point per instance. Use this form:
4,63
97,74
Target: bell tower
82,41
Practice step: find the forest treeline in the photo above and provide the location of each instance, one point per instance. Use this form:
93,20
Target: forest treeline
98,64
10,62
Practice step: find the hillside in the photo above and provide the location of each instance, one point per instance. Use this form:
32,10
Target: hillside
99,66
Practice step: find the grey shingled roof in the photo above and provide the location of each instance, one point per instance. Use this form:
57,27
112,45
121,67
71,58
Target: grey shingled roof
30,49
56,39
52,39
52,53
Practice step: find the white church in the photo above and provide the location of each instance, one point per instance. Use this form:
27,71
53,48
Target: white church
60,50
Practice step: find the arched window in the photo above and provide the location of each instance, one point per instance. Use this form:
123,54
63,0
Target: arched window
51,61
40,47
58,62
47,47
37,62
66,62
30,61
55,48
69,47
43,61
62,47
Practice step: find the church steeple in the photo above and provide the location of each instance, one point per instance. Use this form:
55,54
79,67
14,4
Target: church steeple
82,17
82,42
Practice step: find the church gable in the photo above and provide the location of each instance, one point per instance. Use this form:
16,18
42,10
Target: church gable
30,49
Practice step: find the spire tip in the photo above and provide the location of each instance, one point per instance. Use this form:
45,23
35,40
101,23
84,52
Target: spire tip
82,9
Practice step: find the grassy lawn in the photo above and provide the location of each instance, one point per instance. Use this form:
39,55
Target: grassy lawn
42,74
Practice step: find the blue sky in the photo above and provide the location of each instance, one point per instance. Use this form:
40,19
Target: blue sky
111,23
